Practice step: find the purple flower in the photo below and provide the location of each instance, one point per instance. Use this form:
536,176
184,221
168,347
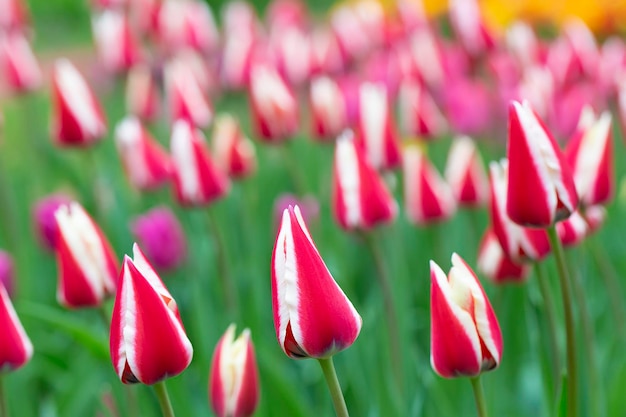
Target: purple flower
6,272
161,236
45,223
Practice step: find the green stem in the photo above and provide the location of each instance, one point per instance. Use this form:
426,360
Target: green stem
550,314
390,312
570,337
164,399
4,409
224,275
479,396
328,367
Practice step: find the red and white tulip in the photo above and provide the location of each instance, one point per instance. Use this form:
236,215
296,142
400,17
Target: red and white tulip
328,108
465,173
232,150
18,65
117,45
419,114
470,27
187,24
495,264
185,98
142,93
16,348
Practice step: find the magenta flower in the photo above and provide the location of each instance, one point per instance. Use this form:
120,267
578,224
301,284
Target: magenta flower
45,224
468,106
160,234
6,272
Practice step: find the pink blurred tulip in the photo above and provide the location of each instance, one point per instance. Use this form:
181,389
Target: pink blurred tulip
117,45
233,151
327,108
350,32
45,223
142,94
325,53
237,56
595,217
185,98
428,57
465,173
465,337
16,348
292,54
147,341
568,105
522,42
234,377
419,114
187,24
313,318
468,106
18,65
470,26
572,230
160,234
495,264
7,279
13,15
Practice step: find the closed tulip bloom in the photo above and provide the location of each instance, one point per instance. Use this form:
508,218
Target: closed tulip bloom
291,47
427,197
197,179
313,318
187,24
325,54
419,113
7,280
117,46
87,265
185,98
361,199
466,174
16,348
465,337
495,264
18,64
590,156
273,105
148,341
237,53
78,119
142,94
430,66
376,130
519,243
541,188
145,162
328,108
573,230
234,377
233,151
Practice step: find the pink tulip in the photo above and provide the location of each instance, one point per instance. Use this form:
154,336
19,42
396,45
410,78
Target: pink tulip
326,56
313,318
13,15
465,337
522,42
45,223
328,108
465,173
7,280
292,54
142,94
239,16
233,151
427,197
350,33
237,56
78,119
18,64
595,217
470,27
147,340
234,377
541,188
572,230
117,45
419,113
187,24
495,264
197,179
87,265
361,199
16,348
468,107
185,98
428,57
145,162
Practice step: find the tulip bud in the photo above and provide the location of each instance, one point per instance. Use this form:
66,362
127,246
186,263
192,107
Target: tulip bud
273,105
236,61
541,188
87,266
233,151
45,223
495,264
197,180
522,41
7,279
146,163
360,197
118,48
147,340
187,24
465,337
328,108
590,155
469,26
430,65
313,318
18,64
325,54
162,237
291,47
185,98
419,114
234,378
349,31
142,94
16,348
427,197
465,173
78,119
375,127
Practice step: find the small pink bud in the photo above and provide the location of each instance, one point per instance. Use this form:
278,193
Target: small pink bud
572,230
45,223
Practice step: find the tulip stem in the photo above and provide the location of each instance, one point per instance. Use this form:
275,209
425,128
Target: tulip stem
328,367
390,312
4,409
164,399
222,264
566,294
479,396
550,314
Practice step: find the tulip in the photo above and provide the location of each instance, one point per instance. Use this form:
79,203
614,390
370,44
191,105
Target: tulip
16,348
234,377
87,265
13,15
325,54
518,242
465,337
147,340
537,86
45,223
6,273
349,31
142,93
273,105
573,230
197,180
468,106
470,27
419,114
160,234
430,64
590,155
233,151
427,197
185,98
595,217
18,64
78,119
187,24
328,108
541,188
291,48
146,163
361,199
495,264
376,130
117,46
238,16
522,41
313,318
237,54
465,173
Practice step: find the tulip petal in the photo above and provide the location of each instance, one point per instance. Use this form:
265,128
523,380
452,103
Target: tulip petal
16,348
